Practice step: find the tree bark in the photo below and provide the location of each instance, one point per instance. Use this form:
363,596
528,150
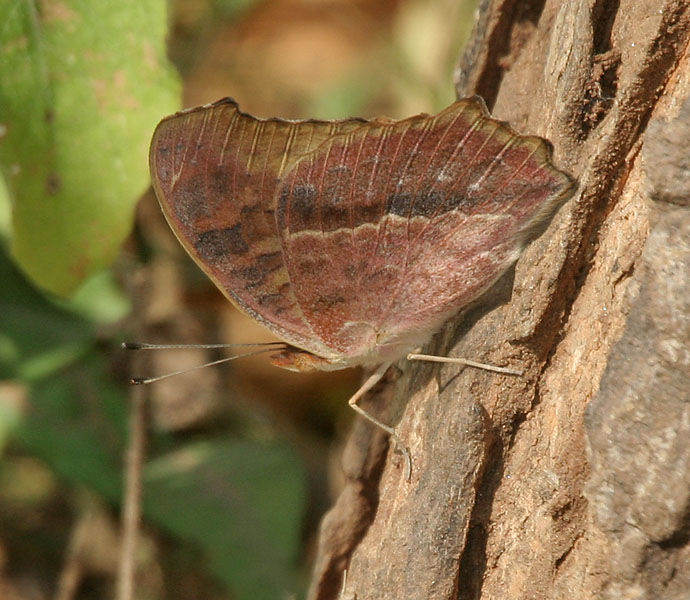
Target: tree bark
572,481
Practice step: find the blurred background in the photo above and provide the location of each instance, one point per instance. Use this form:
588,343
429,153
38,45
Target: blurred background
242,459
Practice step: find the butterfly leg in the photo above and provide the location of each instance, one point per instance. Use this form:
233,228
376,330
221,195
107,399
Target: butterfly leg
463,361
343,589
371,381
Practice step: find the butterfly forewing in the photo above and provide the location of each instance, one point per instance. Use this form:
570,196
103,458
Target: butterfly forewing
215,171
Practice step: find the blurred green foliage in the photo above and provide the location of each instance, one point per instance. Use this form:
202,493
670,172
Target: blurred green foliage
238,501
82,85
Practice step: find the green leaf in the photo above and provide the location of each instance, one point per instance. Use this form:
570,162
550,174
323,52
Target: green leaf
37,338
82,86
99,300
241,502
76,423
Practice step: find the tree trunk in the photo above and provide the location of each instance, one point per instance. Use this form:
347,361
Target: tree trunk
572,481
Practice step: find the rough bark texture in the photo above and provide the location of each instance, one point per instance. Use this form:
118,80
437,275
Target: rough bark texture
572,481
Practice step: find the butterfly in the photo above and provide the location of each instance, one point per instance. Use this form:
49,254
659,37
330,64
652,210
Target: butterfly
353,240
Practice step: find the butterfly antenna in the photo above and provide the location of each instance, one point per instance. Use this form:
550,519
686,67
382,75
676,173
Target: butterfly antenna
146,380
146,346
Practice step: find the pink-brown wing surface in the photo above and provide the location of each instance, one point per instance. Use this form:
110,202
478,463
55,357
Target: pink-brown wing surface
215,171
353,240
391,228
